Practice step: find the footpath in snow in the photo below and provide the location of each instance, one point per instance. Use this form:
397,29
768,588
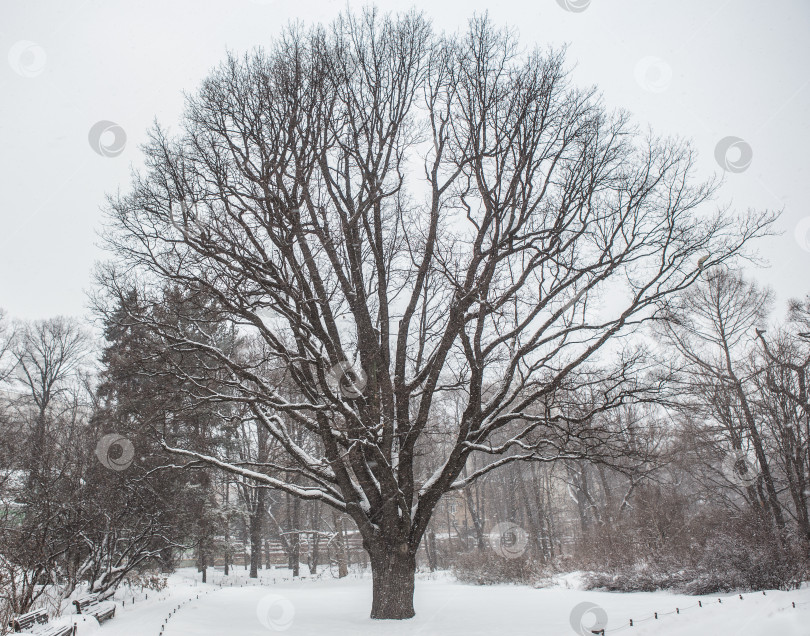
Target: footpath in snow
326,607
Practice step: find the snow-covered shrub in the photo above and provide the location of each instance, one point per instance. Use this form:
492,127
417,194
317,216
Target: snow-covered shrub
485,568
148,580
636,579
737,555
748,561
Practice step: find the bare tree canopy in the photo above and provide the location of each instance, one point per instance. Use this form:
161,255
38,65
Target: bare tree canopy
393,218
47,354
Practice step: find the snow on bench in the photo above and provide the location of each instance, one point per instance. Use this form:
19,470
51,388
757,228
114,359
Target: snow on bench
36,623
90,605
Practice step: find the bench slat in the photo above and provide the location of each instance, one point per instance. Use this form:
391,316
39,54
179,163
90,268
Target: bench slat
31,619
36,623
90,605
62,630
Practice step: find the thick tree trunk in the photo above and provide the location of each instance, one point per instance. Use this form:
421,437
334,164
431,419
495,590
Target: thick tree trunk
166,560
340,545
255,548
542,519
203,567
393,573
478,522
296,556
294,545
430,549
314,545
256,534
532,519
550,525
227,556
314,553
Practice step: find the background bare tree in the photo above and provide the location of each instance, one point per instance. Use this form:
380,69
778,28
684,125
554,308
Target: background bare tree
48,354
6,340
713,328
785,408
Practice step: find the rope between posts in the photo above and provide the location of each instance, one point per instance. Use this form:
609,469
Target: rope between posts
679,610
166,620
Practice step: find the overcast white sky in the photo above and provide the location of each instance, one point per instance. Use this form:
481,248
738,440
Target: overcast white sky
702,69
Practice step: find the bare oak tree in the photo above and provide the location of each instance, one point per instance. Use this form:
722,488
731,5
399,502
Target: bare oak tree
401,216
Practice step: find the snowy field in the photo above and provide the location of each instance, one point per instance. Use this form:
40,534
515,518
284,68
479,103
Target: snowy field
444,607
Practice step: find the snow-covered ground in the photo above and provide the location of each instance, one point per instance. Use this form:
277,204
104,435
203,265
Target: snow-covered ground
326,607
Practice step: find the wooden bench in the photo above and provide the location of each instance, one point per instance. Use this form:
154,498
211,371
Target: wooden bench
90,605
37,623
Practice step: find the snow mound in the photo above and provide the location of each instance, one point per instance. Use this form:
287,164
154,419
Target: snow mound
85,625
